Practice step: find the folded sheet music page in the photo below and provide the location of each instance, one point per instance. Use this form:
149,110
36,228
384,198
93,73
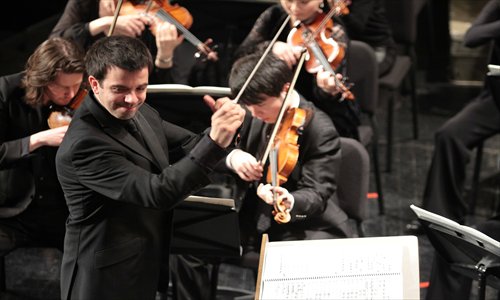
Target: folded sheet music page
357,268
189,90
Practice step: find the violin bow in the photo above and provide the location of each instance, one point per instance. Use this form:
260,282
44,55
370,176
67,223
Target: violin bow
269,47
283,107
115,17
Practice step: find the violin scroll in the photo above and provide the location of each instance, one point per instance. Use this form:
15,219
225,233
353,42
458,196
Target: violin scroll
280,212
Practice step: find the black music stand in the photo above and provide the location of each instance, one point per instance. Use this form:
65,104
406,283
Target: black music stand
467,250
206,226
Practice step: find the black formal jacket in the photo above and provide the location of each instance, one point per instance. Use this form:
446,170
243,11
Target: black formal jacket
312,181
26,177
120,197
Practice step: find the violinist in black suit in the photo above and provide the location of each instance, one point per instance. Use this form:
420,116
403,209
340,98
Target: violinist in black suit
309,193
123,169
32,207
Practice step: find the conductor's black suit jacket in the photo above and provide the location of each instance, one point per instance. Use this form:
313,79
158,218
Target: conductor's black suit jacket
120,196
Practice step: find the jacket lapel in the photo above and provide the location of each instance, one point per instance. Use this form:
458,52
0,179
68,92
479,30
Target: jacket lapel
151,140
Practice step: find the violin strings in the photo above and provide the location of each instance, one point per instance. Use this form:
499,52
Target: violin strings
187,34
282,109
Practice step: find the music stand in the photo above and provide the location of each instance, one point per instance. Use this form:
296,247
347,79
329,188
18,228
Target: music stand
206,226
467,250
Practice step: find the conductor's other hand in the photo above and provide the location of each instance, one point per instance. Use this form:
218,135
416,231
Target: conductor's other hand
245,165
226,120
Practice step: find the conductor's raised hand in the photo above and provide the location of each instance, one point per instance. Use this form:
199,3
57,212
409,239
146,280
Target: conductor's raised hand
227,118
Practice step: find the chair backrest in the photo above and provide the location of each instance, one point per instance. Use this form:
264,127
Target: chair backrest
362,70
353,181
403,18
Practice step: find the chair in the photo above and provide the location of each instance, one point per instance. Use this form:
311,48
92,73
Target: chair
402,16
353,181
362,70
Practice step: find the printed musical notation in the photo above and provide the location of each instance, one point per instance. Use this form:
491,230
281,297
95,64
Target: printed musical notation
335,269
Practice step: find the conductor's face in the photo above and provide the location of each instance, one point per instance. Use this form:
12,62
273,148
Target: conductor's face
121,92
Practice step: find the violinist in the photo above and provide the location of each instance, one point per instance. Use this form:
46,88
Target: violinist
309,192
33,211
320,88
85,21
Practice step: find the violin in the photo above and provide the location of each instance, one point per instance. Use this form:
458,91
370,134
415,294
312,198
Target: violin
324,52
284,156
175,14
283,147
62,115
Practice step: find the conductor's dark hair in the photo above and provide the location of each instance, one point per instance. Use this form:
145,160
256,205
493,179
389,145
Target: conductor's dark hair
124,52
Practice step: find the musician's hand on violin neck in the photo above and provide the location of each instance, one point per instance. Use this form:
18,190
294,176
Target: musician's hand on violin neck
245,165
327,83
212,55
265,192
227,118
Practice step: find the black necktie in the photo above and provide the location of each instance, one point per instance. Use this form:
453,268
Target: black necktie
131,126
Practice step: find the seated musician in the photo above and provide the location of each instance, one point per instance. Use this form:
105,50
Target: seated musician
309,192
86,21
32,207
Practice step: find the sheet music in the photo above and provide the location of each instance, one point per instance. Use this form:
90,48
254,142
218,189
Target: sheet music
493,70
465,232
334,269
187,89
211,200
